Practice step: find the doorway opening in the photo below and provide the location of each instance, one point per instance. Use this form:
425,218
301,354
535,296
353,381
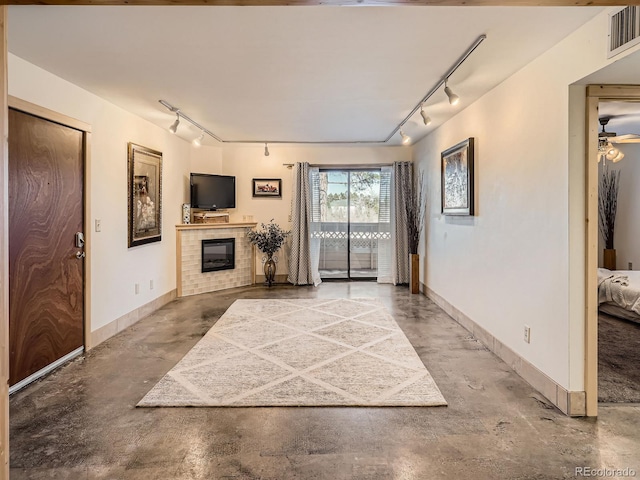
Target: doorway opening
597,97
618,252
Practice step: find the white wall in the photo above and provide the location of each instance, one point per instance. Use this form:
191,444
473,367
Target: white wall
628,218
520,260
115,267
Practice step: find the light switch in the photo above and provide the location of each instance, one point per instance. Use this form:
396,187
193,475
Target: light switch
98,225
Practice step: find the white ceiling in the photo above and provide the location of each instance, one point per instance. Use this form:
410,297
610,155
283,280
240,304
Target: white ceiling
305,74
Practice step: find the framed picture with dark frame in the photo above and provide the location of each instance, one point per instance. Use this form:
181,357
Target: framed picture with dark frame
267,187
144,195
457,179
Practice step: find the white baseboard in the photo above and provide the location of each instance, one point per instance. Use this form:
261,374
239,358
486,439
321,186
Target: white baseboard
116,326
572,403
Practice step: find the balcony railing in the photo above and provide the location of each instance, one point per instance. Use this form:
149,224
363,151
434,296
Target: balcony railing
364,239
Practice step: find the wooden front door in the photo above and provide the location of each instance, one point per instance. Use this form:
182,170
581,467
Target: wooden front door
46,269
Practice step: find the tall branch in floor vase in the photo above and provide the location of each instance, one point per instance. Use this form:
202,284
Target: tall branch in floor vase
608,204
416,203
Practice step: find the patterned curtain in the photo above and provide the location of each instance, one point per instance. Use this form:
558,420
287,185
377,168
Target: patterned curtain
303,259
402,176
385,221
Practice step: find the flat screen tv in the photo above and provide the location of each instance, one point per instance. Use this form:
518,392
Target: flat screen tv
213,192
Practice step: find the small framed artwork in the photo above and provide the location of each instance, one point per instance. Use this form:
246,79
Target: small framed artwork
457,179
267,187
144,195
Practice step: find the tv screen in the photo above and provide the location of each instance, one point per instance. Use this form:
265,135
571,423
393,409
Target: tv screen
213,192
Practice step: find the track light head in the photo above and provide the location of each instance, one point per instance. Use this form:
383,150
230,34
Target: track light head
198,141
425,118
266,150
453,98
174,127
406,139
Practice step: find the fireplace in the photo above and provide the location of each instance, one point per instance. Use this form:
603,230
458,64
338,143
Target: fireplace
218,254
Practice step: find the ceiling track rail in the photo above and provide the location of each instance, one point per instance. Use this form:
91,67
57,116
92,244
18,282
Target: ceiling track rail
429,94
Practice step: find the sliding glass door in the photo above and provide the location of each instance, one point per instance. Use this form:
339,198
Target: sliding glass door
354,214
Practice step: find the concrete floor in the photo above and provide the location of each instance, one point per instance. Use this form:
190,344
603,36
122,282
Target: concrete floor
81,421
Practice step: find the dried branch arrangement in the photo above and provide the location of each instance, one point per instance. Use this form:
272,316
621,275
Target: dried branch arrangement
608,204
416,207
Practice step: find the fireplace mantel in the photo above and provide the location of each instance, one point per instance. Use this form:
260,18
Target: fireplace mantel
189,276
206,226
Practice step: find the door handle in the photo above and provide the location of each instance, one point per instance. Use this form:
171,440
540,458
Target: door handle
79,239
80,255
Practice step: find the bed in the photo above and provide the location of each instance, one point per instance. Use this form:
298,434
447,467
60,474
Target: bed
619,293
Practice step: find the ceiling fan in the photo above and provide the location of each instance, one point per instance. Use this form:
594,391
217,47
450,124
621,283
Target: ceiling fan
614,138
606,141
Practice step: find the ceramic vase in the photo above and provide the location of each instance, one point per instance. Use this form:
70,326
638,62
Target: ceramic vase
269,270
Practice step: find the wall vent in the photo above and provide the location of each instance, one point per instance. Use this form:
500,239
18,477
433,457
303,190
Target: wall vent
624,30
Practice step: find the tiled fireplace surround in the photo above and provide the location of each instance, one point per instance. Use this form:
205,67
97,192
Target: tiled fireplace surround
190,278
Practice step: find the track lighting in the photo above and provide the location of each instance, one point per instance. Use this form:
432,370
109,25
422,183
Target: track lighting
174,127
443,80
180,115
425,118
453,98
420,105
198,141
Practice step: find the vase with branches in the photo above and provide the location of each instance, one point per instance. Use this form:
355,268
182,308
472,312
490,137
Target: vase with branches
609,186
415,205
268,240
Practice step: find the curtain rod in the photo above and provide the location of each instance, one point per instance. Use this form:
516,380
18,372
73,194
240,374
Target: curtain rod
338,167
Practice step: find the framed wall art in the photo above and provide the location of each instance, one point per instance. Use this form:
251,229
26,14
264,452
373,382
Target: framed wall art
145,195
267,187
457,179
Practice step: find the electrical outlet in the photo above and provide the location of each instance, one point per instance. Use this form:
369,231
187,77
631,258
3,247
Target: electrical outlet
289,218
137,288
98,225
527,333
630,266
150,284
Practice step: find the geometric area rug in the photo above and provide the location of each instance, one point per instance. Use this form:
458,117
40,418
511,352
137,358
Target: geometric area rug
299,352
